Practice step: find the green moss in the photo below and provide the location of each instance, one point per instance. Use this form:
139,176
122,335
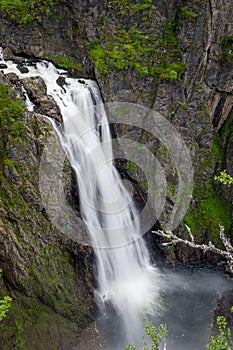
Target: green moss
55,273
53,278
11,109
20,337
138,48
227,48
221,141
31,324
131,165
26,11
129,7
183,105
8,104
187,13
212,208
67,62
211,211
12,198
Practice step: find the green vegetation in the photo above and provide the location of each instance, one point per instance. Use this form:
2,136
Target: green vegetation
224,178
133,49
227,48
66,62
223,340
20,339
186,13
210,212
212,206
11,109
183,105
138,48
29,320
26,11
5,304
127,7
156,335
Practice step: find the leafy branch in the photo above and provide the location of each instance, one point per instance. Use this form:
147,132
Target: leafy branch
224,178
223,340
156,335
5,304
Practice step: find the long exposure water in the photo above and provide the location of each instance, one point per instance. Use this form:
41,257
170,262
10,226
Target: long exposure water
129,286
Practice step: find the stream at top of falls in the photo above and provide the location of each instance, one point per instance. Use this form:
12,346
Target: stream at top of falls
129,286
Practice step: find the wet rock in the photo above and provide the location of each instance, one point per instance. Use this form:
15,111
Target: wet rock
47,106
91,339
199,106
61,81
3,65
12,77
22,69
8,54
36,90
44,268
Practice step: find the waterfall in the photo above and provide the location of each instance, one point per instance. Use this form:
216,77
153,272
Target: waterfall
126,278
128,285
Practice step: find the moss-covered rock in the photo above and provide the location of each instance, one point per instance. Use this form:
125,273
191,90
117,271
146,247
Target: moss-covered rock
137,52
49,276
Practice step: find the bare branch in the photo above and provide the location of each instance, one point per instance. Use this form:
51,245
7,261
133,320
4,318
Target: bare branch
190,233
225,241
227,254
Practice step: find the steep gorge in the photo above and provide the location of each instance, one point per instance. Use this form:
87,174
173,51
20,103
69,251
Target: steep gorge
198,103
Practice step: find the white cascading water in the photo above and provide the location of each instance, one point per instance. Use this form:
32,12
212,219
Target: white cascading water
128,285
126,279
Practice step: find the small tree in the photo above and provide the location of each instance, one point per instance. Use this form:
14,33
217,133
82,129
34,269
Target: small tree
224,178
156,335
223,340
5,304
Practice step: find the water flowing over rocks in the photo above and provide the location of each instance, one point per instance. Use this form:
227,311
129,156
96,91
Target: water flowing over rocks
45,104
44,271
37,260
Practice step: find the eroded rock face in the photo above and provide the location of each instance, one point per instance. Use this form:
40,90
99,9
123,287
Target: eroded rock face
199,105
43,270
44,104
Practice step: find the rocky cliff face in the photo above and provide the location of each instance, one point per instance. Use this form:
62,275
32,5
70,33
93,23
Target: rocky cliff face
49,276
172,56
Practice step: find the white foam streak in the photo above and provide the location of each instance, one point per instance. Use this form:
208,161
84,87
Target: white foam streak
125,277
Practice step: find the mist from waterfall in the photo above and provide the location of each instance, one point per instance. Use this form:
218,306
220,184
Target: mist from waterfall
126,279
129,286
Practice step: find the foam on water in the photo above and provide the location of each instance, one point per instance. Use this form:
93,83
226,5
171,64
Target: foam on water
125,277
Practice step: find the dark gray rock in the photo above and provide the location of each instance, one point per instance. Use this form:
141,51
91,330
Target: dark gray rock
22,69
61,81
12,77
36,90
43,269
199,106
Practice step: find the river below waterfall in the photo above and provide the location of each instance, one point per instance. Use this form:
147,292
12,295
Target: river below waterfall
128,285
186,302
